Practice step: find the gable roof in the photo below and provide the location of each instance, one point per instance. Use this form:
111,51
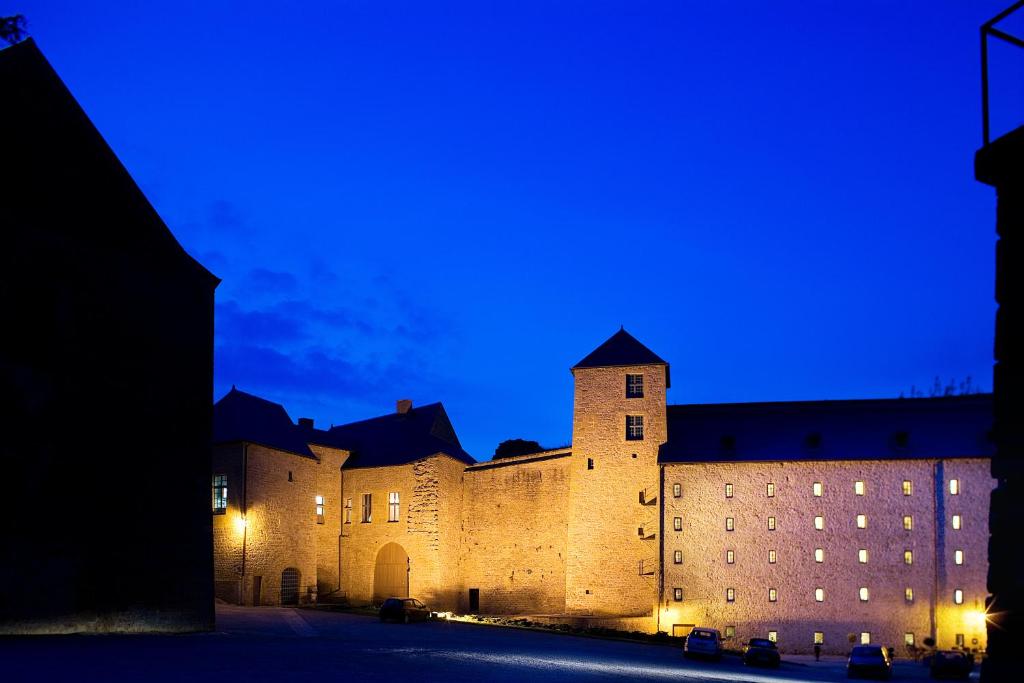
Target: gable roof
239,416
872,429
620,349
396,438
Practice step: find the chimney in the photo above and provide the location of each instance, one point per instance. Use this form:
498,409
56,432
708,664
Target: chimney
306,423
403,405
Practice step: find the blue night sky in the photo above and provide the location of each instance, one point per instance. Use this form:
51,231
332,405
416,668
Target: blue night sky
457,201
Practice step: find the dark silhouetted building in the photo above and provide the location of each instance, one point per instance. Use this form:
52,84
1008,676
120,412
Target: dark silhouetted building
106,363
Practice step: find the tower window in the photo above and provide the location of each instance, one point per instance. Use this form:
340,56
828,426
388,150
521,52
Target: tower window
954,487
771,524
728,490
677,557
634,428
773,595
863,593
730,557
908,487
393,506
819,522
858,488
819,555
958,596
677,594
590,463
908,522
958,556
862,556
634,386
771,490
220,494
367,507
819,595
816,489
908,594
319,509
730,595
957,520
862,521
677,490
908,557
771,557
677,523
730,524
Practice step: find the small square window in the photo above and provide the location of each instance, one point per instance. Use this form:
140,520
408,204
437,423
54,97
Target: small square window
819,595
862,521
634,428
730,557
957,521
730,631
771,524
958,556
819,555
908,523
865,637
819,637
677,523
908,594
819,522
908,557
677,490
772,557
958,597
773,595
728,490
858,488
959,640
908,639
730,595
816,489
677,557
771,490
908,487
954,487
773,636
677,594
862,556
729,524
634,386
863,593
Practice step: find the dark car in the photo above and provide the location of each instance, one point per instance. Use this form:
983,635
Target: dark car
951,664
761,652
869,660
404,609
703,642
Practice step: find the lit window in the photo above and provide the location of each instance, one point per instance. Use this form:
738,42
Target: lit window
220,494
677,557
863,594
908,594
862,556
956,522
771,524
819,637
858,488
819,554
771,490
367,507
773,636
773,595
908,639
730,557
393,506
862,521
677,594
819,595
817,489
908,487
958,596
728,490
908,522
959,640
958,556
634,386
908,557
677,523
954,487
348,511
677,490
634,428
319,509
730,631
865,638
729,524
771,557
819,522
730,595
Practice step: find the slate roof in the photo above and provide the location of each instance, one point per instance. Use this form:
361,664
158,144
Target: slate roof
873,429
621,348
396,438
239,416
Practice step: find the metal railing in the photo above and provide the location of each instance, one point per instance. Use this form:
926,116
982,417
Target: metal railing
989,29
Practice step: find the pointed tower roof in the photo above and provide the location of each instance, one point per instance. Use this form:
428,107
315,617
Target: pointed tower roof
621,348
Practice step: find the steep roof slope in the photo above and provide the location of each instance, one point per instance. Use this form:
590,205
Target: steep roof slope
239,416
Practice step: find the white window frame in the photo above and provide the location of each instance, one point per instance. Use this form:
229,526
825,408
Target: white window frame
394,506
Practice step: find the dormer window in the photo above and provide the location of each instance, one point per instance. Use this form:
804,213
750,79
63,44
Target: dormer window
634,386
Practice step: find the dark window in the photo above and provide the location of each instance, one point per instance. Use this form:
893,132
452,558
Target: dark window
367,507
634,428
634,386
590,463
220,494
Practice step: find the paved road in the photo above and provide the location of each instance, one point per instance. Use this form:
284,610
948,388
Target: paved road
280,644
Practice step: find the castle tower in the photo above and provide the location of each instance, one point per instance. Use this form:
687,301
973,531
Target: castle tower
618,424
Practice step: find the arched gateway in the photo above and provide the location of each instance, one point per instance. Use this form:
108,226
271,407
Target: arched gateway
391,573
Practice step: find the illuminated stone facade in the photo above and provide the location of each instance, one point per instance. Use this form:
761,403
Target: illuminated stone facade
629,525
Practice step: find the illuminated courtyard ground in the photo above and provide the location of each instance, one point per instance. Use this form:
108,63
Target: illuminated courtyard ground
274,644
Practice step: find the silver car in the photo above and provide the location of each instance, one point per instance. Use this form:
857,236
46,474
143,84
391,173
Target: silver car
703,642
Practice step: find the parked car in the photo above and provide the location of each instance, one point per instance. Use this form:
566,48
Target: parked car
761,651
404,609
869,660
951,664
703,642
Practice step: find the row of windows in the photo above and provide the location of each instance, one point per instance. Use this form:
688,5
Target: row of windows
819,556
818,489
367,511
863,594
956,521
864,637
